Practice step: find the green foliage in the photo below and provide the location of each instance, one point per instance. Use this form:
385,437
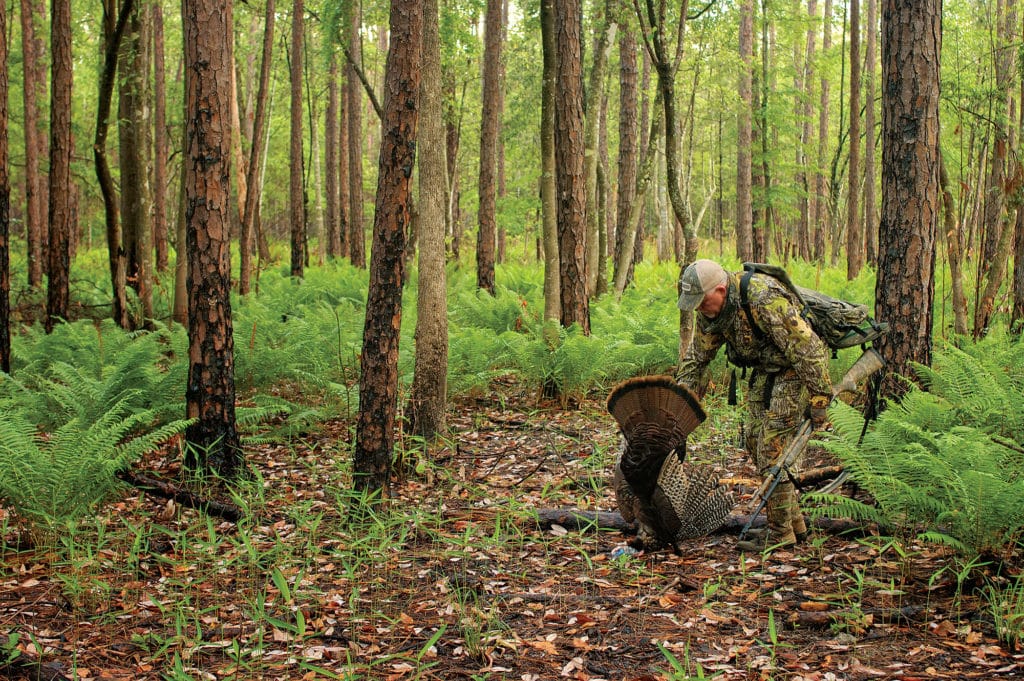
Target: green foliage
52,479
81,370
982,382
928,473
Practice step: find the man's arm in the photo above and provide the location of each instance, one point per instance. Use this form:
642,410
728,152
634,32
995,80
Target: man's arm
804,350
693,370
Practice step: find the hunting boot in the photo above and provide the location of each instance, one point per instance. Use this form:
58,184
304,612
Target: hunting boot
778,534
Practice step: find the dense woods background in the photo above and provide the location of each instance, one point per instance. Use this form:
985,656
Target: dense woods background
402,250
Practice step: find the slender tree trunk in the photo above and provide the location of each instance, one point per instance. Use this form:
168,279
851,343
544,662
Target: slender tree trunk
113,28
911,47
744,210
955,251
592,109
378,383
61,212
822,215
5,206
331,159
808,206
486,213
430,375
33,60
160,227
548,188
343,187
854,235
571,183
247,233
870,175
239,171
210,390
357,240
133,125
625,233
296,199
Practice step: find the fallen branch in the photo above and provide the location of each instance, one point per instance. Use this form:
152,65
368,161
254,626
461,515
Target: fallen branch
180,496
585,521
825,619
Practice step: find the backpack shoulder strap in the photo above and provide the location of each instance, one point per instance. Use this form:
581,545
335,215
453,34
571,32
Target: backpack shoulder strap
745,300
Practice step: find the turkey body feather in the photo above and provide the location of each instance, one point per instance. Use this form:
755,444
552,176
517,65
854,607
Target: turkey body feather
669,498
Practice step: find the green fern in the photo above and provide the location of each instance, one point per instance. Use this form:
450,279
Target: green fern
52,479
930,474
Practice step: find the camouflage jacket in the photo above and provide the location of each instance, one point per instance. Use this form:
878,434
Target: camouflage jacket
786,340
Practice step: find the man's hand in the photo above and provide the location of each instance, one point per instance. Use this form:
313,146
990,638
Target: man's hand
818,410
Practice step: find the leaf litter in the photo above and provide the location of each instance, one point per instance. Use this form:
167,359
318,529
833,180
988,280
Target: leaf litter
456,580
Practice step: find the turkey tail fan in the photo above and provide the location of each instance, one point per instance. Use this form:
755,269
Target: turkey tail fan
689,500
655,412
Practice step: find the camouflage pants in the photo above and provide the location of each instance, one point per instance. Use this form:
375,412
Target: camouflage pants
775,408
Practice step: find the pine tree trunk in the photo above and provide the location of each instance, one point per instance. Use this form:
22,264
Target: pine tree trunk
160,225
823,214
133,124
430,375
5,205
591,109
61,213
854,235
210,390
33,65
625,233
356,240
870,175
548,189
954,250
250,214
333,238
905,288
486,213
296,198
378,383
744,180
569,151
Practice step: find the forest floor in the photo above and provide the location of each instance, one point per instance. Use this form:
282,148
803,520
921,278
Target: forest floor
459,581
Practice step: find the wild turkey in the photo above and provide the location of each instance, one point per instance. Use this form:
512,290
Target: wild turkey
669,499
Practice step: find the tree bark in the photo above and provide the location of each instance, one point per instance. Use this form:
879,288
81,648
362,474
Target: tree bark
210,390
357,241
548,187
250,215
854,234
331,159
160,225
911,46
572,195
823,215
486,213
870,174
296,199
594,94
61,189
5,205
133,125
378,383
744,210
113,28
808,206
33,65
430,375
625,233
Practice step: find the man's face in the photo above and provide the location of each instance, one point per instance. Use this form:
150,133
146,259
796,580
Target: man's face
713,301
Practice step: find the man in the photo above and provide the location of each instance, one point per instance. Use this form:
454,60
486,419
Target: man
789,378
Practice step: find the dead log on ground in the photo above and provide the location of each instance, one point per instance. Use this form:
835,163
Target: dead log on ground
586,521
180,496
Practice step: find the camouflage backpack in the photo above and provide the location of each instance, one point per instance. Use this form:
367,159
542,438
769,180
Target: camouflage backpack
839,323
